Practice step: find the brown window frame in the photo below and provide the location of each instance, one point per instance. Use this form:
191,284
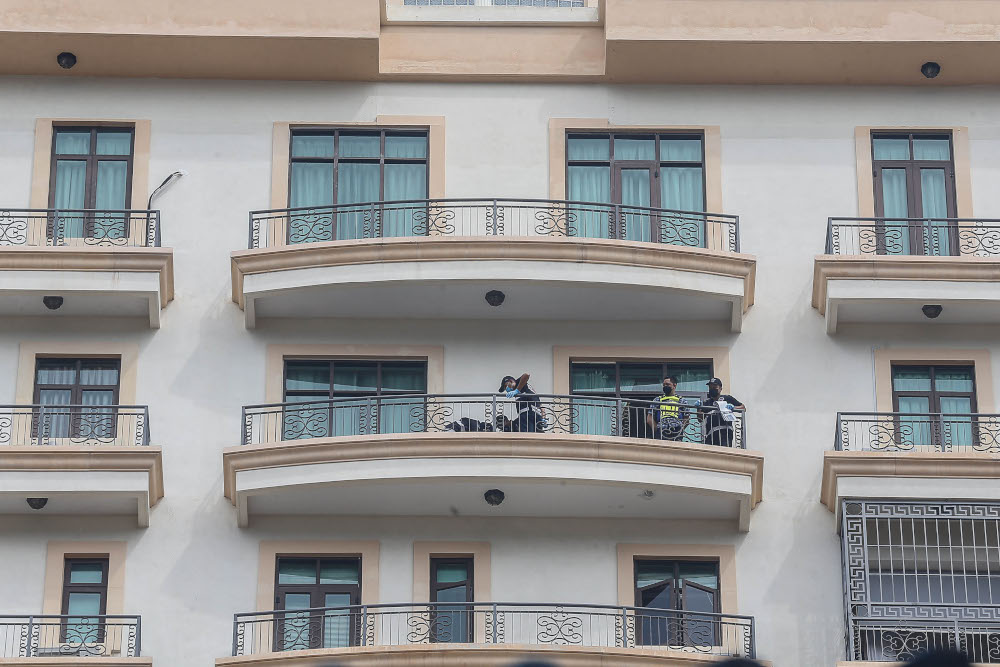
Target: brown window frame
333,393
677,600
436,587
933,395
92,158
668,368
76,390
69,588
316,592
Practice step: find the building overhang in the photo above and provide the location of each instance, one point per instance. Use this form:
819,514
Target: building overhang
892,289
95,281
81,480
542,474
447,277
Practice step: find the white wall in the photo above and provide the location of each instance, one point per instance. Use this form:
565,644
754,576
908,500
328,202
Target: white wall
788,164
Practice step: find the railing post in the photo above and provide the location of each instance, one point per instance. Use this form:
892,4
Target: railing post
753,641
736,235
43,429
138,636
496,225
838,445
829,236
362,427
364,625
494,410
235,625
958,638
145,425
620,426
29,648
493,632
624,628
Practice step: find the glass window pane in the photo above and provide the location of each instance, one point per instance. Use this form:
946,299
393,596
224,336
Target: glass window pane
642,377
933,196
114,143
297,601
931,149
72,143
680,150
93,373
337,622
696,599
312,145
590,378
311,184
591,184
356,183
682,189
404,377
450,573
588,148
704,574
635,148
649,572
338,571
405,146
55,396
691,378
307,376
71,189
297,571
112,179
354,376
894,199
86,573
891,149
911,378
56,371
953,379
359,145
452,594
84,604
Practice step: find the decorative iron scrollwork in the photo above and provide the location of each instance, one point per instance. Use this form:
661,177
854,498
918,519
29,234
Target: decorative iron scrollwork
13,230
560,628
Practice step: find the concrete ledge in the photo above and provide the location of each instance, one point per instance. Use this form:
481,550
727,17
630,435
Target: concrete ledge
74,661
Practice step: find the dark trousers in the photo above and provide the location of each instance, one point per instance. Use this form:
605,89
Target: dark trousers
722,437
527,422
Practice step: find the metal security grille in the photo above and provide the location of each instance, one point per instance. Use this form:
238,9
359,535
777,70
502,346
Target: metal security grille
920,576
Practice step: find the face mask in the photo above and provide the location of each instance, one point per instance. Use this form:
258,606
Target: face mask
713,392
667,389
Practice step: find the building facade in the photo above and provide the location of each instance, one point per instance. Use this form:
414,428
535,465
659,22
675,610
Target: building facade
264,270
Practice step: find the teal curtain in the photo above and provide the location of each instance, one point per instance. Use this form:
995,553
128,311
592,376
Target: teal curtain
72,143
894,205
337,622
914,431
112,179
635,192
931,149
935,205
680,150
114,143
357,183
635,149
891,149
294,633
71,184
58,418
957,431
311,184
591,184
403,182
592,416
682,189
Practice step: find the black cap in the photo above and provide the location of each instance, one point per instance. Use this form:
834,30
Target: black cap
714,381
503,382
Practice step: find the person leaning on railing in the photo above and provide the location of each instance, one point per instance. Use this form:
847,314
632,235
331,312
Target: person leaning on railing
669,418
530,417
717,414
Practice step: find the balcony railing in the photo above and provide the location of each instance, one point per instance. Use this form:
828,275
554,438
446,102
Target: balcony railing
434,413
917,432
913,236
79,425
544,624
83,227
493,217
892,640
69,636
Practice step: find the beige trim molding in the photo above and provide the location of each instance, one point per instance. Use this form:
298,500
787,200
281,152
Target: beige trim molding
281,138
898,267
480,655
367,550
562,355
95,258
51,458
725,554
487,445
461,248
866,183
76,661
55,567
29,350
481,575
980,359
923,465
42,164
558,127
278,352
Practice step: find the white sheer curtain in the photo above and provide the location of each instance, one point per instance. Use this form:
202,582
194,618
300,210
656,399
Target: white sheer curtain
935,206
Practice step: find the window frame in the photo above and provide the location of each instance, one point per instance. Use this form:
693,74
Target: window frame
667,368
76,392
933,395
678,603
315,590
68,588
470,593
92,158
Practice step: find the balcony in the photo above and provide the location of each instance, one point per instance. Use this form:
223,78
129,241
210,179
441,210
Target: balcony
880,455
886,270
885,640
553,260
433,455
97,264
62,641
78,459
490,633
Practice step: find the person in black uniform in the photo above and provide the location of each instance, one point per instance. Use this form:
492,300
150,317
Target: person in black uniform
716,410
527,403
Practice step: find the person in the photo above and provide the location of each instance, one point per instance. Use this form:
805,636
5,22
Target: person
669,420
717,414
530,418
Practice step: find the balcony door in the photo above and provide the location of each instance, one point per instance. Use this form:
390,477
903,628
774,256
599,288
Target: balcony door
663,589
331,585
451,586
920,393
77,397
915,178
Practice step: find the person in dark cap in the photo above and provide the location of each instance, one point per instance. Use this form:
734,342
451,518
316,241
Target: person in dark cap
717,414
527,403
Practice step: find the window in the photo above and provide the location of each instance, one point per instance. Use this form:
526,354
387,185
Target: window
914,178
338,397
84,599
639,172
673,586
639,381
91,169
351,169
935,404
77,396
451,582
317,594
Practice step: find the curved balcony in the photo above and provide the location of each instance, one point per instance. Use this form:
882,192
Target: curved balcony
433,455
918,456
54,640
886,270
488,633
79,460
99,263
550,259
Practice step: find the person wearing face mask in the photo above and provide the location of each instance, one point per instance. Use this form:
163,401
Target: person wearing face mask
669,422
530,417
717,414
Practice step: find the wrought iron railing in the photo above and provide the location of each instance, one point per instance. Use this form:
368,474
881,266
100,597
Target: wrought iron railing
544,413
85,425
917,432
543,624
87,227
69,636
913,236
894,640
493,217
